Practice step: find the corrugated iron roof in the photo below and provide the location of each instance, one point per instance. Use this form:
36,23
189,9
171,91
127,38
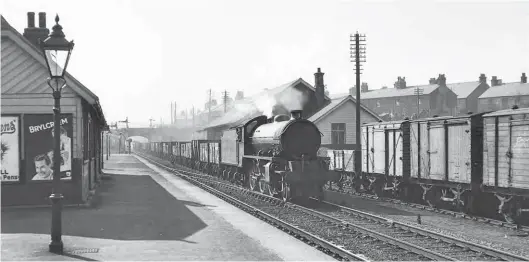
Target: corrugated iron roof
507,89
464,89
335,103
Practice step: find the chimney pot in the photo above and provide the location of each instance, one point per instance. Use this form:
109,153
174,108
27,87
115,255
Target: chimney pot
31,19
296,114
42,19
524,78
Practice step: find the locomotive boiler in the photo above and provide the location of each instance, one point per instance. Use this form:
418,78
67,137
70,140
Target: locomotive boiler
287,137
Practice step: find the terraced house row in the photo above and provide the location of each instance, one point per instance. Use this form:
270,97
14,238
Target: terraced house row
444,99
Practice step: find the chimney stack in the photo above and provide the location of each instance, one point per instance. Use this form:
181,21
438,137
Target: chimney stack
495,81
401,83
433,81
482,78
364,88
524,78
441,80
33,33
320,88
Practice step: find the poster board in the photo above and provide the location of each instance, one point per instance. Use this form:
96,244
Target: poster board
10,153
39,145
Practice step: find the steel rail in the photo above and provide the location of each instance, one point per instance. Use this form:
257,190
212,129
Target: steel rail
329,247
462,243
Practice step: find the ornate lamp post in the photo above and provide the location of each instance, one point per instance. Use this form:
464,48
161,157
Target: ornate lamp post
57,51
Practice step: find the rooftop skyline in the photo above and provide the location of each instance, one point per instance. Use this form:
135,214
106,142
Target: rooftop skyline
138,57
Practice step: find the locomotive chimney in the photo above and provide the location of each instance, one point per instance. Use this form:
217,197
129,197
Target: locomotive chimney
295,114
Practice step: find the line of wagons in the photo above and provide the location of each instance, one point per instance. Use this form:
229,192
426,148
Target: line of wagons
477,163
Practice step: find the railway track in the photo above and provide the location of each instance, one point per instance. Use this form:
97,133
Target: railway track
521,228
327,247
423,240
343,231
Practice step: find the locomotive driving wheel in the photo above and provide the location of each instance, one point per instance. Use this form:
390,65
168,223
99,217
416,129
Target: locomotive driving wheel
285,194
253,183
264,187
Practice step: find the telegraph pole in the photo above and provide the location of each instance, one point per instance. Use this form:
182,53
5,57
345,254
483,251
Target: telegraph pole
358,55
418,92
174,113
225,99
193,115
209,106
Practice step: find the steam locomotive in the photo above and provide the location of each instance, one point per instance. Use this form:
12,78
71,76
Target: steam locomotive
276,156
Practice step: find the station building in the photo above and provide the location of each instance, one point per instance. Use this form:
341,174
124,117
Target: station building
27,122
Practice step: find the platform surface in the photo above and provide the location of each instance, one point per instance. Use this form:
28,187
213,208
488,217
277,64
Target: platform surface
144,213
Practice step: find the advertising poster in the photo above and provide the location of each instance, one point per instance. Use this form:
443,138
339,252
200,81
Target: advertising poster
10,165
38,138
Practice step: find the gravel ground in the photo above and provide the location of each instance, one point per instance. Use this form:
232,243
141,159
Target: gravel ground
480,233
336,234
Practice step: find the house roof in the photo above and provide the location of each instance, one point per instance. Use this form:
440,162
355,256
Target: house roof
246,108
464,89
73,84
336,103
396,92
507,89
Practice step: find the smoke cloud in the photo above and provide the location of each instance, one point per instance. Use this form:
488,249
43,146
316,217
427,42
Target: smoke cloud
290,99
265,102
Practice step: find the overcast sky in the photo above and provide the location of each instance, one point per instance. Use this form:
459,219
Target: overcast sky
138,56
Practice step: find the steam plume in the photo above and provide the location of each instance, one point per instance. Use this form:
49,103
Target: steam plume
290,99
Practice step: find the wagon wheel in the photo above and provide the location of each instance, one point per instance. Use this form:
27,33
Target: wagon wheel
320,195
513,214
378,190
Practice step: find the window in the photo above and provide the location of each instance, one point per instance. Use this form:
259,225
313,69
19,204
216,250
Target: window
338,133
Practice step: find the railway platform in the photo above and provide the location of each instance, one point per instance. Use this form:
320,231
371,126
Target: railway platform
144,213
